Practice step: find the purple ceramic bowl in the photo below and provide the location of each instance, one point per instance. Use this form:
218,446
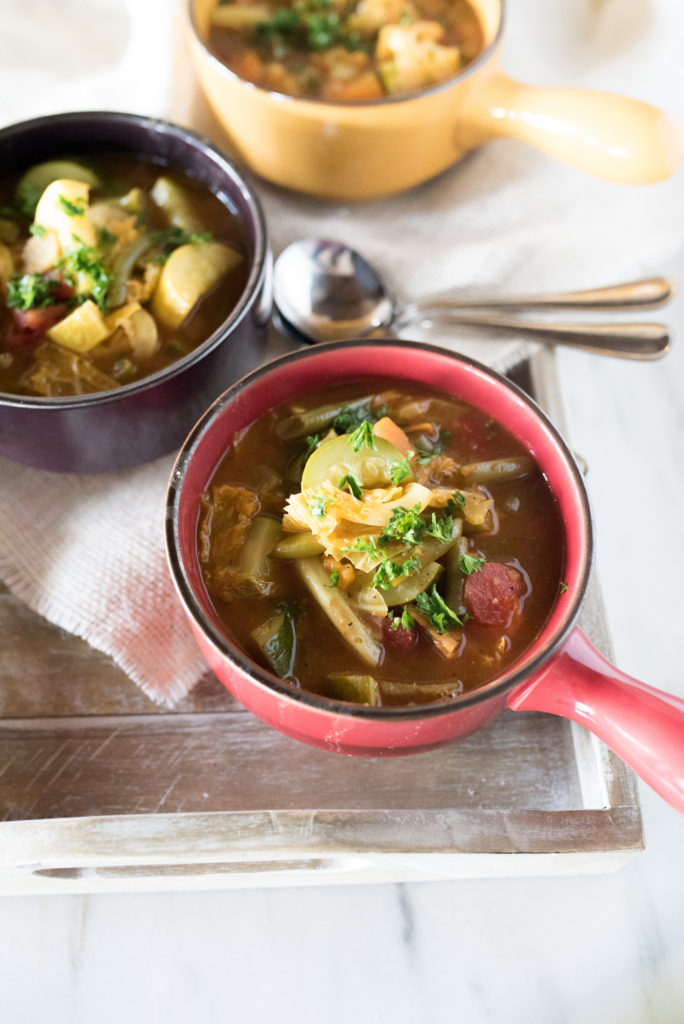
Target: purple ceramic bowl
140,421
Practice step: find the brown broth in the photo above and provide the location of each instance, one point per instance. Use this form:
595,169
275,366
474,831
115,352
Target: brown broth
118,174
298,62
526,533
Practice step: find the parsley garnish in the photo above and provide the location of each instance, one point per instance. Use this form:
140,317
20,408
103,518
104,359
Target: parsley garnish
403,621
312,442
368,546
401,470
106,237
334,579
86,262
363,437
563,587
168,239
318,505
38,230
73,209
468,564
31,291
440,614
458,499
405,524
389,573
351,481
350,417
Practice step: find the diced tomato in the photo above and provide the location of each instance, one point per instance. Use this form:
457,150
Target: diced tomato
31,324
491,595
475,434
398,639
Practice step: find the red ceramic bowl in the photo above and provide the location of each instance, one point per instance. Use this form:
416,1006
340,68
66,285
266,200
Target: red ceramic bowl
560,673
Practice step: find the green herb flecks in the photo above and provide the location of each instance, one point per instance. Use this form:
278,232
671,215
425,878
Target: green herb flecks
389,573
403,621
31,291
401,470
84,270
168,239
319,505
37,230
441,616
334,579
351,481
73,208
405,524
468,564
363,437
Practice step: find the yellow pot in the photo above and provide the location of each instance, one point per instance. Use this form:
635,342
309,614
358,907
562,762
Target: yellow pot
364,150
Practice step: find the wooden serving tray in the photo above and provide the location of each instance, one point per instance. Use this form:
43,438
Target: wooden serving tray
101,790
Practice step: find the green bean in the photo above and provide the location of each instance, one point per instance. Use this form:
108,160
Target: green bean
339,610
418,693
312,421
297,545
455,578
408,588
494,470
355,689
252,558
277,640
122,268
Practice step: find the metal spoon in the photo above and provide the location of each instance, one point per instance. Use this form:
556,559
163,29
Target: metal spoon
327,291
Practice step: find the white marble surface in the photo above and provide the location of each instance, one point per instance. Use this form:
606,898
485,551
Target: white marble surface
604,949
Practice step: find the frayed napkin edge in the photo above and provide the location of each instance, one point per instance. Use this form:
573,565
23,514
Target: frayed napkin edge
178,687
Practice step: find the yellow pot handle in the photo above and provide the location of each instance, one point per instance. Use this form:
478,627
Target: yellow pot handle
607,135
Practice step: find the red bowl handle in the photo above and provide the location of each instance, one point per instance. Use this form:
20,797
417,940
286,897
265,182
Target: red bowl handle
644,726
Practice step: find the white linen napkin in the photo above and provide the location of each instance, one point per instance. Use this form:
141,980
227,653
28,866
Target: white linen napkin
87,552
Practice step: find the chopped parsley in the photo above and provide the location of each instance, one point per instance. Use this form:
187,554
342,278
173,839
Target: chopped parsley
85,263
350,417
106,237
168,239
563,587
363,437
401,470
468,564
458,499
318,505
389,573
351,481
367,545
38,230
73,209
441,616
334,579
31,291
403,621
312,442
405,524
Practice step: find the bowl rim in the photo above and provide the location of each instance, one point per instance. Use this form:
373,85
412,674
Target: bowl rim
283,97
256,277
266,680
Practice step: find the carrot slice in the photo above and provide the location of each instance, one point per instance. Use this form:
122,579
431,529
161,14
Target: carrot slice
390,431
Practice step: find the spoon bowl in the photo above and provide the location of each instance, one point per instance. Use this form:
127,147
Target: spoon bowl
326,291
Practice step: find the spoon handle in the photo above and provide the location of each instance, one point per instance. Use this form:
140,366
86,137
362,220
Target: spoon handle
627,340
646,293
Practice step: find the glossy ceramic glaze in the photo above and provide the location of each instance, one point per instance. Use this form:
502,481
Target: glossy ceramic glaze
357,151
140,421
561,672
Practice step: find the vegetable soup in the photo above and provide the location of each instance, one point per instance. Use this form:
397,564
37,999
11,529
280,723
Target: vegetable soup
381,544
111,268
345,49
